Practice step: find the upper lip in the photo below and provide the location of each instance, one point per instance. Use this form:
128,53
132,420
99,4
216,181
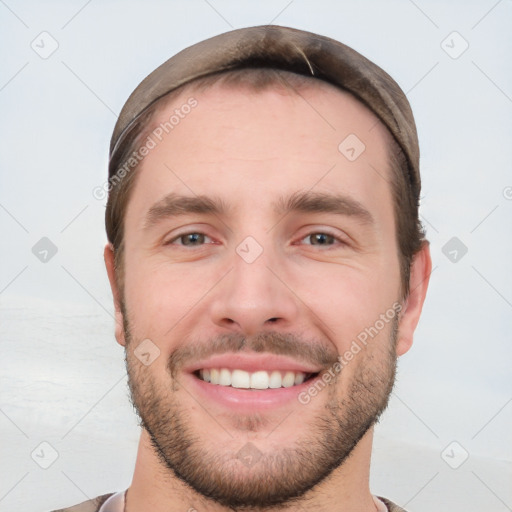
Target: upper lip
253,362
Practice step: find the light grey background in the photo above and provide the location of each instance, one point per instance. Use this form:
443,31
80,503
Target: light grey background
62,378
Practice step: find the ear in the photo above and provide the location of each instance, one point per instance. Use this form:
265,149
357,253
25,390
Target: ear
108,255
421,268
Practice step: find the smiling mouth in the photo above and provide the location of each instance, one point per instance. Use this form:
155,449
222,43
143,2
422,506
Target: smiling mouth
261,379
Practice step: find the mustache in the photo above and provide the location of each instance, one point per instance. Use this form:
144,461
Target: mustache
287,344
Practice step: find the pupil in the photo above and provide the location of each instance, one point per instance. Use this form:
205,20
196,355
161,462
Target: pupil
321,238
193,238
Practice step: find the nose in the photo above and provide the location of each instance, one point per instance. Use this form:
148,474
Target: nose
255,297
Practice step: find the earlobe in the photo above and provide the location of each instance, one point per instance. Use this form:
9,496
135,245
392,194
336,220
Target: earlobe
421,268
108,255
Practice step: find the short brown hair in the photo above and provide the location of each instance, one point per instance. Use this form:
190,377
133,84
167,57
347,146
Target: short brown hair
409,231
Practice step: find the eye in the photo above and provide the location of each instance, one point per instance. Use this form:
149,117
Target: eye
319,239
190,240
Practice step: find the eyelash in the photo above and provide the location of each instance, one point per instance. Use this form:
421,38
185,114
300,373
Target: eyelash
326,233
183,235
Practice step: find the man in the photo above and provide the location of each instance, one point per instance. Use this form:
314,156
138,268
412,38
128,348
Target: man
267,266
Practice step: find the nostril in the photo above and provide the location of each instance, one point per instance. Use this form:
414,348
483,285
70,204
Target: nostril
273,320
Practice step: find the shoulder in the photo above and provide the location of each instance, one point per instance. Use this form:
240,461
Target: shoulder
87,506
392,507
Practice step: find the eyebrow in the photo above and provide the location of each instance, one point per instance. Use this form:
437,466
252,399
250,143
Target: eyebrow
319,202
174,205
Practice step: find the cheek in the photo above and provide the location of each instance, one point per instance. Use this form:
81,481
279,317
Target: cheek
346,302
159,296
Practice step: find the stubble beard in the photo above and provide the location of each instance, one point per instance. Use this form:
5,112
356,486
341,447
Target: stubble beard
280,477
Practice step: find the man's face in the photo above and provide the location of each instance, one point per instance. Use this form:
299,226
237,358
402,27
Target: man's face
256,253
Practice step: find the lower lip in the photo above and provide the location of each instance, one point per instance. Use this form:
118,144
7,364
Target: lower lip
248,399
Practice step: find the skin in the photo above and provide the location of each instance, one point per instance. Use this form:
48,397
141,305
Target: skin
249,149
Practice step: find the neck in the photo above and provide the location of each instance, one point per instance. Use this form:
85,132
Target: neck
154,487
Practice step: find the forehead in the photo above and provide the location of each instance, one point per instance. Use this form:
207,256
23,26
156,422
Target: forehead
239,143
327,109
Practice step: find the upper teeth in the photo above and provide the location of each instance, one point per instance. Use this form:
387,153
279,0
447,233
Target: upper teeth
256,380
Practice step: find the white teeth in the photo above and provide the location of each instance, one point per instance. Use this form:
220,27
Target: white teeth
240,379
257,380
214,376
275,380
225,377
299,378
288,380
